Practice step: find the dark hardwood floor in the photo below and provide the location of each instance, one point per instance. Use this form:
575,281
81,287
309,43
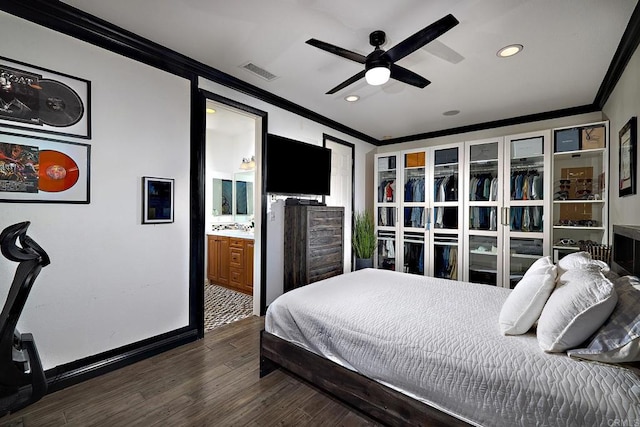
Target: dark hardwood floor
211,382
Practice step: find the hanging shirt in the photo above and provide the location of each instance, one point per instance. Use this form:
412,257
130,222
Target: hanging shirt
494,189
453,263
419,190
388,191
537,193
493,221
391,252
416,217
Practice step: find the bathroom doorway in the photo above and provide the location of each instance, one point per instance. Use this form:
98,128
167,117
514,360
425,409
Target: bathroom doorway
232,210
342,187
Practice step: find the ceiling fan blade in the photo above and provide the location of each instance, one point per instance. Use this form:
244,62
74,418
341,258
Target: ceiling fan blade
347,82
337,50
421,38
442,51
408,77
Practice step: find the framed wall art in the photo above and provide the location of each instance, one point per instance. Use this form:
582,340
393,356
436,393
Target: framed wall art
36,169
157,200
42,100
628,149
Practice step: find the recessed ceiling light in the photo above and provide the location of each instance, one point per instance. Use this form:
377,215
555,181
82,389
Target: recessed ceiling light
510,50
210,111
351,98
451,113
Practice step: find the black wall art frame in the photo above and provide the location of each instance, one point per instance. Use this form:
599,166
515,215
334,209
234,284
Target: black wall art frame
157,200
627,161
42,100
43,170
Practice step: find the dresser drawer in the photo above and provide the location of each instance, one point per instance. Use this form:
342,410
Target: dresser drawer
236,242
236,277
236,256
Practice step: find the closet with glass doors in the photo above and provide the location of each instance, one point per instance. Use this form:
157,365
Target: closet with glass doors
506,180
418,211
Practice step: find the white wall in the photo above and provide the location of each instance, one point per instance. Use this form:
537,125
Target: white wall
112,281
285,123
623,104
496,132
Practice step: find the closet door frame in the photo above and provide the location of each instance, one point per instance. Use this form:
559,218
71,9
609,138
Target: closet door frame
508,204
421,231
460,205
468,204
395,228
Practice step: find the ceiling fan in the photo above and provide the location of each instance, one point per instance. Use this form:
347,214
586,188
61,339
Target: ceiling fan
380,65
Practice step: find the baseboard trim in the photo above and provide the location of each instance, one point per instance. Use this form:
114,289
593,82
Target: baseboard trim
72,373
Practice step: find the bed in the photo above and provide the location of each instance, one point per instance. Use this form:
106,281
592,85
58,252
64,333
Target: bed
415,350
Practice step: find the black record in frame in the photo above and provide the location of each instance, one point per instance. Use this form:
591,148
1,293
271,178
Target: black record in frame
60,106
43,100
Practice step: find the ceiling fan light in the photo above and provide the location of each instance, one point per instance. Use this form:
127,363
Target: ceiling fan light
377,76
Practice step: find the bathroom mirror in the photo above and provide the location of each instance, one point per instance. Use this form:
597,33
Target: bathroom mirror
244,194
222,197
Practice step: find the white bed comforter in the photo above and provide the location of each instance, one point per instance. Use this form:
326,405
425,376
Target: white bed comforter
438,341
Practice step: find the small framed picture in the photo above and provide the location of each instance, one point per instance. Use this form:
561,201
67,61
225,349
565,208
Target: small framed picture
627,167
157,200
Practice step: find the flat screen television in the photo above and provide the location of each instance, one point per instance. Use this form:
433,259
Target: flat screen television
296,168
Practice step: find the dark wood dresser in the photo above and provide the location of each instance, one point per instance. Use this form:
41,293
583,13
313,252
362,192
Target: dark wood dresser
313,244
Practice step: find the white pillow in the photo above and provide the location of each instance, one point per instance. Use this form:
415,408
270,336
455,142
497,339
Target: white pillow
618,340
577,260
539,266
575,309
524,304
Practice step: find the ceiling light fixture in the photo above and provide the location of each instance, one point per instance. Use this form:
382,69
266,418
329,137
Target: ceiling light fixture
351,98
377,76
378,69
210,111
510,50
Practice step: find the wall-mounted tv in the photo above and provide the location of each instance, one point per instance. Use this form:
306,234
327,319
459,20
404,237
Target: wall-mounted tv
296,168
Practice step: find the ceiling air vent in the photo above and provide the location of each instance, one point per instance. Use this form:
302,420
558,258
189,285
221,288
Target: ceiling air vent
259,71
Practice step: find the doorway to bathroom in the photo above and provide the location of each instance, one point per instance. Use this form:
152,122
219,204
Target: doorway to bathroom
231,199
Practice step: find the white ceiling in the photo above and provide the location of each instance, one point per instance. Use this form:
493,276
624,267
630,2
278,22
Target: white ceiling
568,46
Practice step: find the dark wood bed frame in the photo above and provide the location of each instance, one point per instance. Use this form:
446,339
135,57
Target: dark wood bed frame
378,401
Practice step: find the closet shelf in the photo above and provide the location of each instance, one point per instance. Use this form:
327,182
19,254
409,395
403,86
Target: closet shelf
525,256
574,201
478,252
594,152
573,227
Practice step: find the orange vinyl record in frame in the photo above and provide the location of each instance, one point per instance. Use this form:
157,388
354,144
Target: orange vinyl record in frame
37,169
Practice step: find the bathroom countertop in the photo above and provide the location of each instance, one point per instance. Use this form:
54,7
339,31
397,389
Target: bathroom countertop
232,233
